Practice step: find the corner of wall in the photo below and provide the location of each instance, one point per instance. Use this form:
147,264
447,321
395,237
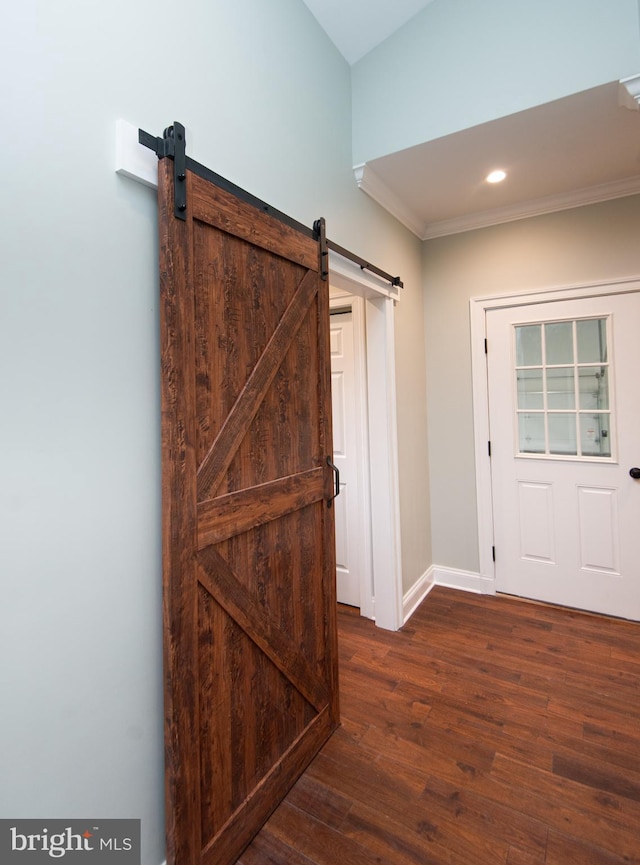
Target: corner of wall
452,578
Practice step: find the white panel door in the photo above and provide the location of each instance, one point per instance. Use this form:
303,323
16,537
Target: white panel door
348,564
564,415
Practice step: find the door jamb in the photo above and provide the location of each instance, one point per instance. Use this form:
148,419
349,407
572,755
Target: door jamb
478,309
373,307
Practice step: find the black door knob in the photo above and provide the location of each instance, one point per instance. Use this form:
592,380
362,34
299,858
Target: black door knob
635,473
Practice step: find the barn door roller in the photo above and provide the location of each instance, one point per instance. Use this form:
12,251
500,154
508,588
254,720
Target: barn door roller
174,145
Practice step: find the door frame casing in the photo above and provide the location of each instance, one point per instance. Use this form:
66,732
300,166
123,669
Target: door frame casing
478,309
372,303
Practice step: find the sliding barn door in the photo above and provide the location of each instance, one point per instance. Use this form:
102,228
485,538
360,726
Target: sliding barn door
248,536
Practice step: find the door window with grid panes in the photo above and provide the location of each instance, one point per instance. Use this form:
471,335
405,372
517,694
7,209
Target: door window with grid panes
562,376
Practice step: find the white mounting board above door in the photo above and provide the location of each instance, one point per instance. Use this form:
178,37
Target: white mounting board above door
133,159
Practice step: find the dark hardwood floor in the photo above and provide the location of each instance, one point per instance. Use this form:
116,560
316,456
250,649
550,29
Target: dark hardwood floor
488,730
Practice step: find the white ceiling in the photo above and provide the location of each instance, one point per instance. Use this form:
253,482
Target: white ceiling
357,26
573,151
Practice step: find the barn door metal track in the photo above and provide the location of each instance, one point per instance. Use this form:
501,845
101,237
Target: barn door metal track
173,145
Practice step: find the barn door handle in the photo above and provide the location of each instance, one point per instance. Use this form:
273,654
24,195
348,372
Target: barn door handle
336,471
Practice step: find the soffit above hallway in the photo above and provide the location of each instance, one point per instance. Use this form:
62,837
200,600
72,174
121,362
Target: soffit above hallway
567,153
571,152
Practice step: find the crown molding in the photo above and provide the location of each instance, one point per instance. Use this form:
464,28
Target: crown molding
534,207
369,182
632,86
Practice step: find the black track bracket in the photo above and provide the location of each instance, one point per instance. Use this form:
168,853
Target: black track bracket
173,144
321,234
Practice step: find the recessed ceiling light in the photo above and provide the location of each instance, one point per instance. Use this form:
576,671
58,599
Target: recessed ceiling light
496,176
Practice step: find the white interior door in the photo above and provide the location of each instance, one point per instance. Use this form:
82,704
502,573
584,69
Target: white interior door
345,443
564,415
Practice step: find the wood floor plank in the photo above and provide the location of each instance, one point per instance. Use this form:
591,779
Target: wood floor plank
266,849
507,738
426,840
625,741
573,743
516,856
320,801
597,817
358,775
439,752
562,850
516,829
487,731
315,840
605,779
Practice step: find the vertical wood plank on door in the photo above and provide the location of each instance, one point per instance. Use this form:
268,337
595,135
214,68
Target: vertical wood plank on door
182,769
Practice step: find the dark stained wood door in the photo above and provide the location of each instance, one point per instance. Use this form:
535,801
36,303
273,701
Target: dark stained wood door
248,539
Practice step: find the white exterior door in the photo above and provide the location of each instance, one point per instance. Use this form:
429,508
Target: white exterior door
348,564
564,417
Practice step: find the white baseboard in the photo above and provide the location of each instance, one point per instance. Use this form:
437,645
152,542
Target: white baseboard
452,578
416,594
466,581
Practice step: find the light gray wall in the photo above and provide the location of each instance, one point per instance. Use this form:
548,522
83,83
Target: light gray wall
411,391
267,100
584,245
459,63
